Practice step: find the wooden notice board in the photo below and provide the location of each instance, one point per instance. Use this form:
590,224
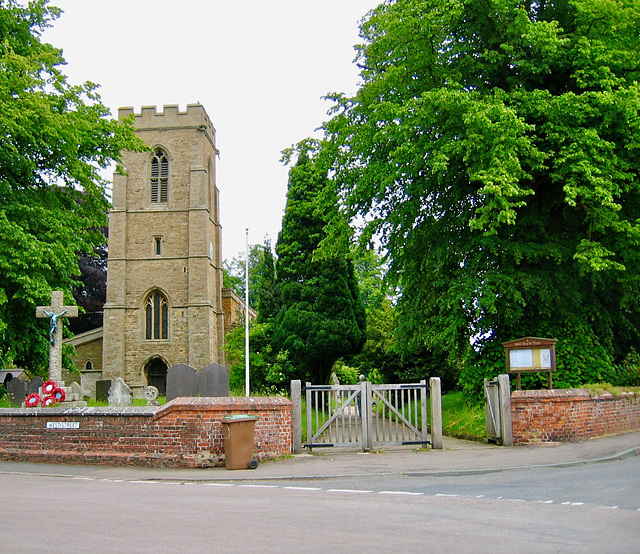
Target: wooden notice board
531,355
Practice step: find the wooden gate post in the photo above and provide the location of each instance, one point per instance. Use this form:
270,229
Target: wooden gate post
436,413
504,394
296,417
367,416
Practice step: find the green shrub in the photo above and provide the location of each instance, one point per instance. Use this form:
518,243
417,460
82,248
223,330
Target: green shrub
629,370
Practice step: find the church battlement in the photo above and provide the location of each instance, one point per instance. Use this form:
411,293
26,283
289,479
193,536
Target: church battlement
149,118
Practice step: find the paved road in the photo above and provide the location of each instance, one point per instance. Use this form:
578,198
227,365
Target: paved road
614,484
540,510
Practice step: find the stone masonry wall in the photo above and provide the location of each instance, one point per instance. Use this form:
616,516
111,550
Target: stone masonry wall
186,432
550,416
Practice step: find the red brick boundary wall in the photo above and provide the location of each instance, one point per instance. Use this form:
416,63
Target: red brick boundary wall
186,432
559,415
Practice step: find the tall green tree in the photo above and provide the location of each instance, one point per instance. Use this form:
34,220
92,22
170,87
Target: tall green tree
260,268
322,317
493,148
268,295
54,139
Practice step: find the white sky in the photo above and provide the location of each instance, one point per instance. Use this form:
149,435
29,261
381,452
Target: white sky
258,67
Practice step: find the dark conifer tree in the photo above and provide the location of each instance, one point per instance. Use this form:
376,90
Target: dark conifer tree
322,317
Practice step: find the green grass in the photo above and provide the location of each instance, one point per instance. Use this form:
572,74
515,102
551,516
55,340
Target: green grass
599,388
93,403
4,402
461,420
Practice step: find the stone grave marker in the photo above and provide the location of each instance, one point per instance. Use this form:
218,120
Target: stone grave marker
120,394
181,381
102,389
35,385
76,391
212,380
16,391
151,395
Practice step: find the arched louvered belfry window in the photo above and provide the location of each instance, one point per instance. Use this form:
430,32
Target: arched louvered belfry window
157,316
159,177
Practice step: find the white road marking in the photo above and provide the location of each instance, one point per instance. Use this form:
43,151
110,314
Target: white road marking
218,484
315,489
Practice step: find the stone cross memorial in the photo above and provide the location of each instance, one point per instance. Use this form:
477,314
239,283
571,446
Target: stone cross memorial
54,312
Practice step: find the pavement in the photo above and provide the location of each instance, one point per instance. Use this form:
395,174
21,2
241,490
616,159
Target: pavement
458,457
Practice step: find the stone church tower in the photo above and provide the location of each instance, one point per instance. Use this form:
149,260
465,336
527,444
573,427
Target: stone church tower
164,279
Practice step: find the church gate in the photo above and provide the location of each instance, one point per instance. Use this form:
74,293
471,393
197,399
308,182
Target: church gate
369,415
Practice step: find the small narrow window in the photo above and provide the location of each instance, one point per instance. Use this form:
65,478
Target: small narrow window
156,316
158,242
88,364
159,177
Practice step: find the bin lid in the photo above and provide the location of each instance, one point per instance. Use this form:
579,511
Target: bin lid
238,418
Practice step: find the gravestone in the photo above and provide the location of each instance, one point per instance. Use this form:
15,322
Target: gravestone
74,392
102,389
120,394
181,381
35,385
212,380
151,395
16,391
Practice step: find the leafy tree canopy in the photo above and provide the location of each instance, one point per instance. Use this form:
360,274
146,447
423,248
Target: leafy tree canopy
54,139
235,277
493,149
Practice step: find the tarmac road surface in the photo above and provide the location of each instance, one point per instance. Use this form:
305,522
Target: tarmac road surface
87,514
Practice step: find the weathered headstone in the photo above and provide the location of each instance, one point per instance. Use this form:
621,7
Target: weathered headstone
212,380
16,391
35,385
120,394
151,395
181,381
102,389
54,312
74,392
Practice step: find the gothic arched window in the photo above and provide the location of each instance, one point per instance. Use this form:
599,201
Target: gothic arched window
157,316
159,177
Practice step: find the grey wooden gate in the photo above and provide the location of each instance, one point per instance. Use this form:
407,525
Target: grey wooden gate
497,397
366,415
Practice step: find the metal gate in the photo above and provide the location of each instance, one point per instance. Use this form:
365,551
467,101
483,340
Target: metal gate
366,415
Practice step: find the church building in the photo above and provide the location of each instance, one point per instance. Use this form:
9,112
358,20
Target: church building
164,273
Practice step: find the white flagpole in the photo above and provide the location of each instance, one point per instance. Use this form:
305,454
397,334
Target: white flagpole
246,316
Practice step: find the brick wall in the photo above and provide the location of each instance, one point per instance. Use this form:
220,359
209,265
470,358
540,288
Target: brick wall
186,432
549,416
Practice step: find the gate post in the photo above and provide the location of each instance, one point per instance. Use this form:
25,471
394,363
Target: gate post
436,413
367,416
296,417
504,393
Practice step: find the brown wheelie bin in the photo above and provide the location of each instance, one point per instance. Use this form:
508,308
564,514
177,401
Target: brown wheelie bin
238,434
